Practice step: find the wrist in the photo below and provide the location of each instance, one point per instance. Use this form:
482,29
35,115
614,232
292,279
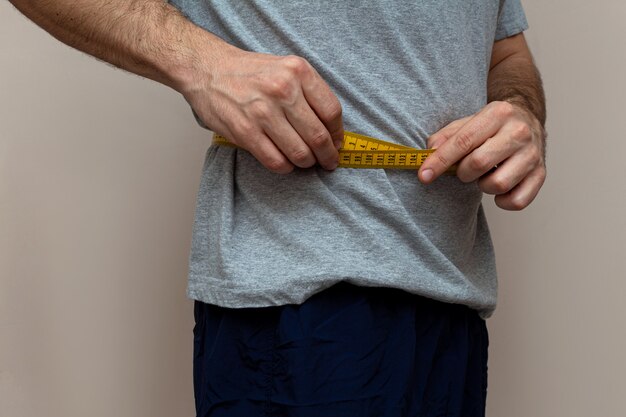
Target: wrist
196,61
523,104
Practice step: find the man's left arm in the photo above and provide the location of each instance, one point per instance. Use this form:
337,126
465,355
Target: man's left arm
508,134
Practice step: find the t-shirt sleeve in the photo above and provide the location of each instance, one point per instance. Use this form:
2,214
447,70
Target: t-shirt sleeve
511,19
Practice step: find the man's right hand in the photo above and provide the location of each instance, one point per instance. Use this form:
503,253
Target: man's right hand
277,108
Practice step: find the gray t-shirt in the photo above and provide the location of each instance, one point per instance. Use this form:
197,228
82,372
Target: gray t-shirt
401,70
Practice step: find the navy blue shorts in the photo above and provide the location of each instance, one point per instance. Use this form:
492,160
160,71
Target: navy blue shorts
346,351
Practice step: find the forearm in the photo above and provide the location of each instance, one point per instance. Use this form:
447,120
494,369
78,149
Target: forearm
150,38
278,108
515,79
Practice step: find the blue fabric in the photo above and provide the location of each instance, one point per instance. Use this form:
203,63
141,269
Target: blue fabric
346,351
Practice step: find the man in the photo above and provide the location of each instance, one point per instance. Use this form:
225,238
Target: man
338,292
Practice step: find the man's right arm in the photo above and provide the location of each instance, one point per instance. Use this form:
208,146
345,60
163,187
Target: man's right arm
278,108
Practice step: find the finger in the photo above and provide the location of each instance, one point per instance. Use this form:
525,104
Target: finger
473,134
325,104
524,193
266,152
289,142
313,132
507,175
503,178
484,158
265,121
446,132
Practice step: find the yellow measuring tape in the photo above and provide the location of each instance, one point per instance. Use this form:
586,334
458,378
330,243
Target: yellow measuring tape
360,151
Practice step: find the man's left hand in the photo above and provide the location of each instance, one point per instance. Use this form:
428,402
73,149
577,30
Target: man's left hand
502,146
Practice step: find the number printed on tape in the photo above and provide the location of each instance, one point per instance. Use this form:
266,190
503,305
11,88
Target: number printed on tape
360,151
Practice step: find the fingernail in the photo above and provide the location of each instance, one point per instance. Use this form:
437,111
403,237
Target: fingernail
427,175
338,144
333,165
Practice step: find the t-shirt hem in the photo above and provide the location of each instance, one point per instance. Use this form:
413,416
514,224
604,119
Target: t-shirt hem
255,297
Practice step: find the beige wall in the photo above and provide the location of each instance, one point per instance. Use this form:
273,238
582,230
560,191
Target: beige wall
98,174
559,335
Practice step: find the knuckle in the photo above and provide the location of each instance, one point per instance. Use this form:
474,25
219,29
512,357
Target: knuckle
500,185
278,165
504,109
521,132
442,159
463,142
281,87
543,174
243,130
480,163
333,111
518,203
535,156
296,64
319,139
301,157
260,110
539,177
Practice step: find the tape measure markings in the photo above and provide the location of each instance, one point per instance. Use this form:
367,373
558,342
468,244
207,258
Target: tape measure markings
360,151
356,141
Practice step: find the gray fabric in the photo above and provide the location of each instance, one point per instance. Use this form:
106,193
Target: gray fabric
402,70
